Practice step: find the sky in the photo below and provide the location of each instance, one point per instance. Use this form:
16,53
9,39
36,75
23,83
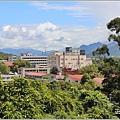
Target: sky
55,25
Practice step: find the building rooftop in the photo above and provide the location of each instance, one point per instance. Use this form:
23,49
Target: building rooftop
98,80
35,73
9,64
76,77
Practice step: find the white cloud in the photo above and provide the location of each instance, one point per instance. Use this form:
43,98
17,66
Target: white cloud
76,10
47,26
49,35
6,28
24,29
57,6
54,37
102,11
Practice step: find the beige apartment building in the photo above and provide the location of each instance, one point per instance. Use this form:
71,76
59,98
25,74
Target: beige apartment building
73,59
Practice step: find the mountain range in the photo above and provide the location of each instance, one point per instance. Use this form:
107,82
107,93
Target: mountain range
113,48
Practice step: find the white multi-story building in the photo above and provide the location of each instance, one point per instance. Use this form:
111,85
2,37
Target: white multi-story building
70,59
40,60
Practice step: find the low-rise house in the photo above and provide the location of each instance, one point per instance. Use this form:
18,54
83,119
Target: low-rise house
77,78
59,77
98,80
9,64
74,78
40,76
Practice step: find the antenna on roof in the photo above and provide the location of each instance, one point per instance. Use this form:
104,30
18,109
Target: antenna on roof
45,50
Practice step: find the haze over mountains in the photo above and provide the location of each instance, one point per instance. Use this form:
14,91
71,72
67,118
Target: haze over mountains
113,48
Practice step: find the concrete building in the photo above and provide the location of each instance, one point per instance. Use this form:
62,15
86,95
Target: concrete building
73,59
8,77
36,68
40,60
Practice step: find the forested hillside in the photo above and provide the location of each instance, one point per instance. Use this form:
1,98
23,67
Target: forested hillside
4,56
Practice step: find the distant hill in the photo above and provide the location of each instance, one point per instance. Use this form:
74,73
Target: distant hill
114,50
91,47
18,51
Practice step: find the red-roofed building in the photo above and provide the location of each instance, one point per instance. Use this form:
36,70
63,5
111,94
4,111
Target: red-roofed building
98,80
69,71
34,74
75,78
9,64
59,77
39,75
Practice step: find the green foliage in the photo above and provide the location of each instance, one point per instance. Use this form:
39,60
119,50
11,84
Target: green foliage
20,63
90,70
66,76
4,68
110,66
54,70
86,77
114,26
59,85
90,85
4,56
33,99
46,77
101,51
116,96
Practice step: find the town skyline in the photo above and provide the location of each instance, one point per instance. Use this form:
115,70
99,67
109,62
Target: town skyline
55,25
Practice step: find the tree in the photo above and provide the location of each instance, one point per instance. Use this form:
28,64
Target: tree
24,98
95,105
4,68
4,56
101,51
86,77
91,70
111,66
46,77
114,27
54,70
20,63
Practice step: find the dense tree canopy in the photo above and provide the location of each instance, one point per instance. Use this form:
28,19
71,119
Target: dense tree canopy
4,68
20,63
33,99
91,70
